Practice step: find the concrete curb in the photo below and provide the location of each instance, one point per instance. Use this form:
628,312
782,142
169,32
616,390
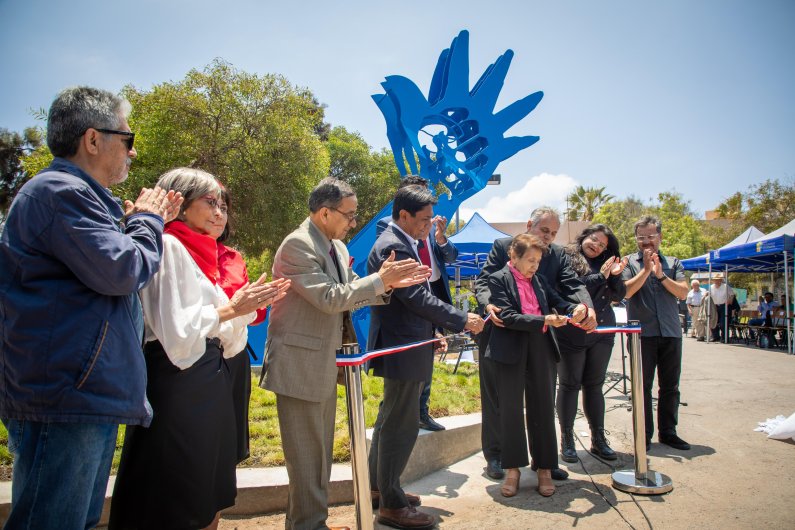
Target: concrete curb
264,490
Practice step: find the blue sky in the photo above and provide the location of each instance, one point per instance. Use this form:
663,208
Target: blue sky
640,97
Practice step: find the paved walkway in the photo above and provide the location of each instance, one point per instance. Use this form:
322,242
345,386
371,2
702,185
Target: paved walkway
732,478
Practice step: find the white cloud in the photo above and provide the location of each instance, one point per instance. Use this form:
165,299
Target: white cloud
515,206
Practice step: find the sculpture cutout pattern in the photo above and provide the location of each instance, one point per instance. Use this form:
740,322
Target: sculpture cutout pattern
454,135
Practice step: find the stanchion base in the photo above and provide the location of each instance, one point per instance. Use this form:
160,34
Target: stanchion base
654,484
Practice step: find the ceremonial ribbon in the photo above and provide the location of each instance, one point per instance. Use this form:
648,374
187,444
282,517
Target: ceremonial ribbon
361,358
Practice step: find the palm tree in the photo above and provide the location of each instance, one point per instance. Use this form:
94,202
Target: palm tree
583,203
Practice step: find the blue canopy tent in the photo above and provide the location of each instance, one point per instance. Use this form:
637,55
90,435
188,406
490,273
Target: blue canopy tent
768,253
474,243
702,262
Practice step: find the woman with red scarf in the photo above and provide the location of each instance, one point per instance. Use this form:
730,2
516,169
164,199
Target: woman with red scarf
180,472
233,276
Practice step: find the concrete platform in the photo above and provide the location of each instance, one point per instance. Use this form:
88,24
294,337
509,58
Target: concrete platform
264,490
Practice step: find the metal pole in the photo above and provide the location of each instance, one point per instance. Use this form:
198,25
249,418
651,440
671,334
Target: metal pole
641,480
786,301
356,427
726,307
709,313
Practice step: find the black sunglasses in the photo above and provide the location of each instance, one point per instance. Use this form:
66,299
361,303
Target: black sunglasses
129,140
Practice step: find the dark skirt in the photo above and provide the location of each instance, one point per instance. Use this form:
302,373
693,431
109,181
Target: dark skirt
179,472
240,372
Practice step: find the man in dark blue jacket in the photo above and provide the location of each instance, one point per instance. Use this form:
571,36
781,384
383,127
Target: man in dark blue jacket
71,262
442,252
411,316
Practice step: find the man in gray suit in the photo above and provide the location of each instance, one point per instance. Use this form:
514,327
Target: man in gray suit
304,332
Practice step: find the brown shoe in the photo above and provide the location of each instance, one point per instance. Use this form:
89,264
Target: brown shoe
339,528
545,485
407,517
375,496
511,484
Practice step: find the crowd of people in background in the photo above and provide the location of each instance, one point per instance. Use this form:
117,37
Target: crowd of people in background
136,313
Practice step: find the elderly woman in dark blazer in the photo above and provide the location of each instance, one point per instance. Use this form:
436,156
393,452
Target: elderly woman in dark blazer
594,256
525,353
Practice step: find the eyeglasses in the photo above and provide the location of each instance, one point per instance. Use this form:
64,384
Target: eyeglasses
643,239
350,216
129,140
214,203
596,242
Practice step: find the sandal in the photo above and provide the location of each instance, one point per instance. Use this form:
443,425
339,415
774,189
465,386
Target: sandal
545,485
511,484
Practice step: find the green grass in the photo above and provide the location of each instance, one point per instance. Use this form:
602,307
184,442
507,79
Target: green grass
451,395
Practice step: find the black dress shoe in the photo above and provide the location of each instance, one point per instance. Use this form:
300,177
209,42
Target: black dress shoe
557,473
430,424
494,470
672,440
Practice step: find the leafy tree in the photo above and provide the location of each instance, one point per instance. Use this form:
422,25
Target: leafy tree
13,174
682,235
768,206
584,203
258,134
372,175
620,217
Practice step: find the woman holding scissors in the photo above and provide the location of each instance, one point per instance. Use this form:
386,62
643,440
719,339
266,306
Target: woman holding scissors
525,354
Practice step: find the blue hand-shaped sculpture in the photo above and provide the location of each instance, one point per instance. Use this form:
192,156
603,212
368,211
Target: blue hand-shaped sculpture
455,135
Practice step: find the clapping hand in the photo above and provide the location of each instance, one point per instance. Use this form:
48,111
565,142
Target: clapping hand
403,273
258,295
156,201
440,225
613,266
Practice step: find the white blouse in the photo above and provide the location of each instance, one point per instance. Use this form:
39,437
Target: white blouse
179,306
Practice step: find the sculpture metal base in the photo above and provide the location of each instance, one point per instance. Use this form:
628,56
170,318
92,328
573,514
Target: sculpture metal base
654,484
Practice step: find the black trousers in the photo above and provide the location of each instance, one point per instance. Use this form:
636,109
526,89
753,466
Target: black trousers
583,367
394,434
663,354
719,331
490,410
530,385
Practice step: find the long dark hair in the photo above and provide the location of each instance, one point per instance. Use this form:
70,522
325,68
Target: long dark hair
579,262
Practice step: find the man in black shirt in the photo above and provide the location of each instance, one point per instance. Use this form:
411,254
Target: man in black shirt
655,284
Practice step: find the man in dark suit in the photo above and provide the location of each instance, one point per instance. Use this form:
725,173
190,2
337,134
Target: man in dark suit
411,316
442,252
555,268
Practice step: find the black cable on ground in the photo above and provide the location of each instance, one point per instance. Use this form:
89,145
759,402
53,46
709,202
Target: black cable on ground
599,490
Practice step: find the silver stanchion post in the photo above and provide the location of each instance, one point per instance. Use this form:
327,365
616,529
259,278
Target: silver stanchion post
356,428
642,479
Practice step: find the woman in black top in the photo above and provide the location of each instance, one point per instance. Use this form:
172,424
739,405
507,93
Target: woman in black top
584,357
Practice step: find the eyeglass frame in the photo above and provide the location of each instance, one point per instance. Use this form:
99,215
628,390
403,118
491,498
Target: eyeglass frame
130,140
598,243
215,203
643,239
351,217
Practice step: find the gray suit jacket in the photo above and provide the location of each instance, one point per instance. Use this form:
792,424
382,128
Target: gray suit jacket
305,328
